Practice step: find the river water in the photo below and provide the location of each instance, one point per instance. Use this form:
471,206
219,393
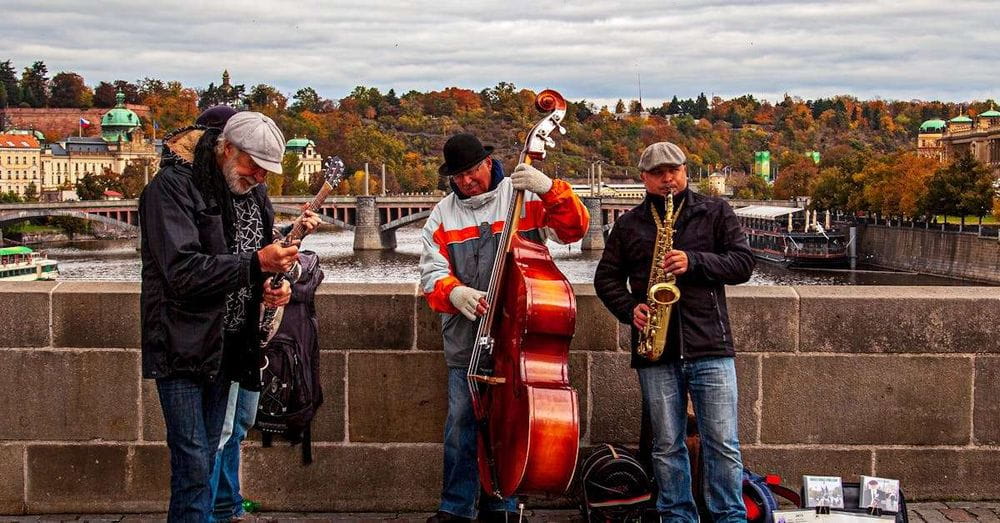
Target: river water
118,260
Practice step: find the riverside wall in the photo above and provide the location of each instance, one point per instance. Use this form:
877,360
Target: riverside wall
899,382
958,255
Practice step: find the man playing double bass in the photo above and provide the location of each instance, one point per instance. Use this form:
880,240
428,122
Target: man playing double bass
460,240
709,251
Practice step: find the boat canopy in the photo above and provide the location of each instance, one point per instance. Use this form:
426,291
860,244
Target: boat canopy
8,251
769,212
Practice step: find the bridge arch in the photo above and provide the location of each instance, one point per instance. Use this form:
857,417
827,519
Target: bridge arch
295,211
405,220
11,216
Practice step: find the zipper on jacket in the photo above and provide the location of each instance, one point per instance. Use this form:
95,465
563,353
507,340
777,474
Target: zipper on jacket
718,315
680,329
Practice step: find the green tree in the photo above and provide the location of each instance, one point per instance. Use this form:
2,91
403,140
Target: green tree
35,85
31,192
8,79
291,168
133,178
68,90
836,191
10,197
371,145
266,99
91,187
965,187
700,106
307,99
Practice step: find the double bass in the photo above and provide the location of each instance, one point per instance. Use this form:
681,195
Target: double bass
527,413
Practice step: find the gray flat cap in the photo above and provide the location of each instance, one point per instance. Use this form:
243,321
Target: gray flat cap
661,153
258,136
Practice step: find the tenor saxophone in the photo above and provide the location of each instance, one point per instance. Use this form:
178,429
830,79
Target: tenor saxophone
662,291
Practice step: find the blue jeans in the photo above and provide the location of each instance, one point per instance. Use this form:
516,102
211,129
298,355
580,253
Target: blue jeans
241,412
192,411
460,493
712,385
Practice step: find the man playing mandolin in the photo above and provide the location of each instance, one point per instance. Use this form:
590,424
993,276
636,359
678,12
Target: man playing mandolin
460,240
206,248
709,250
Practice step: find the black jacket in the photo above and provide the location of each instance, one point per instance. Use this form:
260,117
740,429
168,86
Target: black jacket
187,270
718,254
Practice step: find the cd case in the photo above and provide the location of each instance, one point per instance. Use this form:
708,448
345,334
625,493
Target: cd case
823,491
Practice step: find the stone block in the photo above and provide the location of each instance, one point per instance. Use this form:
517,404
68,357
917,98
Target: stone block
748,392
28,302
764,319
328,425
397,397
596,328
960,474
63,395
428,327
149,478
866,400
96,314
986,418
614,399
345,478
898,319
365,316
153,427
12,472
579,370
791,464
76,478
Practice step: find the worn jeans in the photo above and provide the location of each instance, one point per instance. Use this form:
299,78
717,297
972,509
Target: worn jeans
193,411
712,385
460,493
241,412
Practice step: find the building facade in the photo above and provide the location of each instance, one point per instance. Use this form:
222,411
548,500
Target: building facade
20,163
305,149
979,137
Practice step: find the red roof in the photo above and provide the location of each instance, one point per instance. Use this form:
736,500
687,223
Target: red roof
19,141
109,192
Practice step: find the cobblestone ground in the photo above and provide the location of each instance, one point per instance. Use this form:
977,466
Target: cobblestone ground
929,512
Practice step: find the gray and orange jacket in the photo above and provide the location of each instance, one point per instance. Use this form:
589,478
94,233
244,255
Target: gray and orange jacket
460,240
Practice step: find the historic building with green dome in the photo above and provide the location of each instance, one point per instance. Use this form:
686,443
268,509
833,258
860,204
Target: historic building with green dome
118,124
979,137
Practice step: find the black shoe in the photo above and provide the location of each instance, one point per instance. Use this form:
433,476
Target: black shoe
499,516
445,517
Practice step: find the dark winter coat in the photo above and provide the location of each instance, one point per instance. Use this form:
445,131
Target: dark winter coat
187,271
718,254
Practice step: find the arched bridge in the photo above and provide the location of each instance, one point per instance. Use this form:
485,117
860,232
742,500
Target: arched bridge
374,220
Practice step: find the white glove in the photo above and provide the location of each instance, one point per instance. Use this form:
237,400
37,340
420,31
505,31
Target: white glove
527,178
466,299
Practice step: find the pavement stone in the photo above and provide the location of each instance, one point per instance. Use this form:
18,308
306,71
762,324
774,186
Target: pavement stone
924,512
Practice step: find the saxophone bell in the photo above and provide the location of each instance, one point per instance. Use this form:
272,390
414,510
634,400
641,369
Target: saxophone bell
664,293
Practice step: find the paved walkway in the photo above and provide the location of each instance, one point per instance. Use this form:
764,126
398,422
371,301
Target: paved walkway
929,512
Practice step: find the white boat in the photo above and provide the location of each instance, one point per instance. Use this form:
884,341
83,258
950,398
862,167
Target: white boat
23,264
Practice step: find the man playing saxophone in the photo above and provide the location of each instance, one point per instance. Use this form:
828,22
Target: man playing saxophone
683,246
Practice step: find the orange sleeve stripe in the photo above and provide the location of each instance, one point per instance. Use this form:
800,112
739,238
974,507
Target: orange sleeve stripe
438,298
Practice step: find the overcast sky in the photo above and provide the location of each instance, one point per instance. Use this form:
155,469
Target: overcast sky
940,49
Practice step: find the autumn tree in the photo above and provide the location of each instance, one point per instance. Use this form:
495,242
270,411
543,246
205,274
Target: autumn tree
68,90
172,105
963,188
307,99
266,99
91,186
291,168
796,176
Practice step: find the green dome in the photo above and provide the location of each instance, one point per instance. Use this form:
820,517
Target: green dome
118,123
932,125
299,142
960,119
992,113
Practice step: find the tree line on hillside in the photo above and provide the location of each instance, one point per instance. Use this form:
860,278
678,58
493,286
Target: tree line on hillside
863,142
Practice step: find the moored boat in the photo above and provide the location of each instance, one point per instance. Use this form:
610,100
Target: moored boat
23,264
788,236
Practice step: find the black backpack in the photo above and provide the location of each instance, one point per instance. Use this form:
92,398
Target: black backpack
614,487
291,392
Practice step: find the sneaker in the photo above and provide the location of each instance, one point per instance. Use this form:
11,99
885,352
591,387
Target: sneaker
445,517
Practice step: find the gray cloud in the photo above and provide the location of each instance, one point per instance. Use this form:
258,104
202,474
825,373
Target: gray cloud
872,48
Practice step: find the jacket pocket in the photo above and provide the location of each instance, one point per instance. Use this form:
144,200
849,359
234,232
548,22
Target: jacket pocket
210,232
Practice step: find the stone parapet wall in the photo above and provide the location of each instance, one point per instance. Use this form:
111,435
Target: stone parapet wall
958,255
893,381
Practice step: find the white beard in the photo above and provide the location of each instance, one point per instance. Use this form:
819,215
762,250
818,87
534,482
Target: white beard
237,184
